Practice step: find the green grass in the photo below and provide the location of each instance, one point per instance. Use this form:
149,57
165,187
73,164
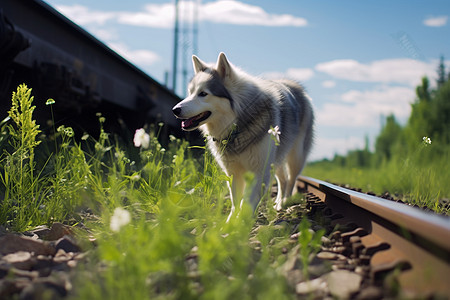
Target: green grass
22,187
159,214
177,244
421,178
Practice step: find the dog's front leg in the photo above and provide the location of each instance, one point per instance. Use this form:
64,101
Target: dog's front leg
236,192
260,188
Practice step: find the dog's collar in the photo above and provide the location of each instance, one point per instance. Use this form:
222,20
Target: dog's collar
230,138
247,130
236,141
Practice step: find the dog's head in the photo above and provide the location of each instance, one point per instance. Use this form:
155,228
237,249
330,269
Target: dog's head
208,97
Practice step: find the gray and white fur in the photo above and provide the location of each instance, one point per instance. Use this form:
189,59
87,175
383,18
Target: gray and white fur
235,111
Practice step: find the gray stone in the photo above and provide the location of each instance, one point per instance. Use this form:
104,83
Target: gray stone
327,255
65,243
11,243
311,286
293,277
343,283
21,260
370,293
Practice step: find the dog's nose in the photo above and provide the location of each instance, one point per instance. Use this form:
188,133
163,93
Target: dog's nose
176,111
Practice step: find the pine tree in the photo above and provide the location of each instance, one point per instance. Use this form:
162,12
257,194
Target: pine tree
389,136
441,73
422,91
440,114
419,120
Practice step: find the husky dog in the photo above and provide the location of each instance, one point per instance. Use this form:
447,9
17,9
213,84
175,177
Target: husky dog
236,113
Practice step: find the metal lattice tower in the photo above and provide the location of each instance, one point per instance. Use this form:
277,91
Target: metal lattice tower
186,24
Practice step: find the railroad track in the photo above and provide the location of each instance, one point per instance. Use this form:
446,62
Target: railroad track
387,236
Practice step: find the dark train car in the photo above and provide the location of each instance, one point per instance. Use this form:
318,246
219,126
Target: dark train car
60,60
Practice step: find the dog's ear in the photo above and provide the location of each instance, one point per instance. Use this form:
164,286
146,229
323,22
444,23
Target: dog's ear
223,67
199,65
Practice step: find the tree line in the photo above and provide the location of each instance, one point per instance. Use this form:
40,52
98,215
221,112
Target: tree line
428,125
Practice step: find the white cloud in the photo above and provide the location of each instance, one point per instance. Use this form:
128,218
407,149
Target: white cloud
299,74
402,70
355,110
329,84
153,15
82,15
438,21
235,12
363,108
327,147
163,15
103,34
139,57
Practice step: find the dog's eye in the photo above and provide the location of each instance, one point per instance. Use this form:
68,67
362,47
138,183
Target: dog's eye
202,94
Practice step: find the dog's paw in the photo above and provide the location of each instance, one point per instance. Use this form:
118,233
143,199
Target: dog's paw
278,206
290,201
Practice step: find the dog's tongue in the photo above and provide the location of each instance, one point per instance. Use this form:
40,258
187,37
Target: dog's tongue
187,123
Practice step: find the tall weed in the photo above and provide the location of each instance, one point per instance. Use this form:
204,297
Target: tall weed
23,194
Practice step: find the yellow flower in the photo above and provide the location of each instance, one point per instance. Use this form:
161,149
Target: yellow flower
50,101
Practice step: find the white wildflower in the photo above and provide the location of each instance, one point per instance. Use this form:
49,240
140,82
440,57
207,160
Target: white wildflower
141,138
120,218
85,136
275,132
426,140
135,177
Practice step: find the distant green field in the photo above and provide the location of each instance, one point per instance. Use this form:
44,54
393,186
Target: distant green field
415,179
411,160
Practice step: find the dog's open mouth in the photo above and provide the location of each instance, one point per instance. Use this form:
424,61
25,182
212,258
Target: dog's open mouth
192,123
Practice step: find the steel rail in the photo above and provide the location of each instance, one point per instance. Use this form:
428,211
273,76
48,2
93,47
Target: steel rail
391,236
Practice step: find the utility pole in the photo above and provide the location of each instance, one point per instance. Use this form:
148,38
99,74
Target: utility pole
185,45
189,15
175,50
195,28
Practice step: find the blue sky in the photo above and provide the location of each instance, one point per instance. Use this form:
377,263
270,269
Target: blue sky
359,60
